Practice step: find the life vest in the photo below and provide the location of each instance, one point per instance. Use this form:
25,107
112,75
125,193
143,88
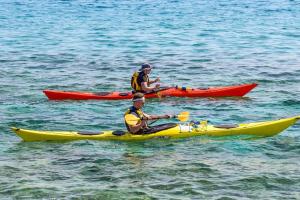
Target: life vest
136,81
132,110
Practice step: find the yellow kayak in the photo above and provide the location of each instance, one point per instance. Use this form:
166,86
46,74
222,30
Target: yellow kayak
171,130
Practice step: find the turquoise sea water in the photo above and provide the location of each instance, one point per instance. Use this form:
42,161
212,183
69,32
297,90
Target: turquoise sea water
96,45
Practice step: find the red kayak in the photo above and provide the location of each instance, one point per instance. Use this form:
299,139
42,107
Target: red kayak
227,91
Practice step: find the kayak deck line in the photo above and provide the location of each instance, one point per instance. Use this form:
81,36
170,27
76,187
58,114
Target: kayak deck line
260,129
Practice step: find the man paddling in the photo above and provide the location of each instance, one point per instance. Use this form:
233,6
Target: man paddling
135,119
140,80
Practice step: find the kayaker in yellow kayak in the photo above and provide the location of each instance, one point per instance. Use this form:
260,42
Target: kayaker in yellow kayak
140,80
135,119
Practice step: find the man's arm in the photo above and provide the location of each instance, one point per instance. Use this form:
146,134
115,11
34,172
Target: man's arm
154,81
150,88
153,117
135,128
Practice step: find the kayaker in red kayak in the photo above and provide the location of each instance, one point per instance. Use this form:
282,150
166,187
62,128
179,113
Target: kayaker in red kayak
139,126
140,80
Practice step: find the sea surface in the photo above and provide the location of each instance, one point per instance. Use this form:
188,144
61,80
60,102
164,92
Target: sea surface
97,45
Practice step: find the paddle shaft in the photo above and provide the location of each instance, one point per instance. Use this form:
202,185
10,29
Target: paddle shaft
183,116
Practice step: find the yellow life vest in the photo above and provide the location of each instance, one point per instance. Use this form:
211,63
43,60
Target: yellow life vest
136,81
137,112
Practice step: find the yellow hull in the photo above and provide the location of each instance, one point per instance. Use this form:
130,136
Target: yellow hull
262,129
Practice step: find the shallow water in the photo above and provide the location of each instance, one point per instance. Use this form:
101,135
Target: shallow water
96,45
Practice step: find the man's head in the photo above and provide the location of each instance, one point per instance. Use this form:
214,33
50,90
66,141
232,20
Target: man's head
138,100
146,68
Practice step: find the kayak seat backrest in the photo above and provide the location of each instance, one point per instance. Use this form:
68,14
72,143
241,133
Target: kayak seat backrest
102,93
118,133
227,126
123,94
89,133
158,128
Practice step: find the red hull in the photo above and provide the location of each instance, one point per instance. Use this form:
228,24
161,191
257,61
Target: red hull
227,91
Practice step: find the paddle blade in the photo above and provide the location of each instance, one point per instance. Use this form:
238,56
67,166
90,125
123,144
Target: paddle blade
131,119
183,116
159,95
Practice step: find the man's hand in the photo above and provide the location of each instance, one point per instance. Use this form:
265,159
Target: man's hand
143,123
157,80
172,116
168,116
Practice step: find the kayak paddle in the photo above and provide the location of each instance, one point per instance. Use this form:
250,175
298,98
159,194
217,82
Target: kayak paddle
133,120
